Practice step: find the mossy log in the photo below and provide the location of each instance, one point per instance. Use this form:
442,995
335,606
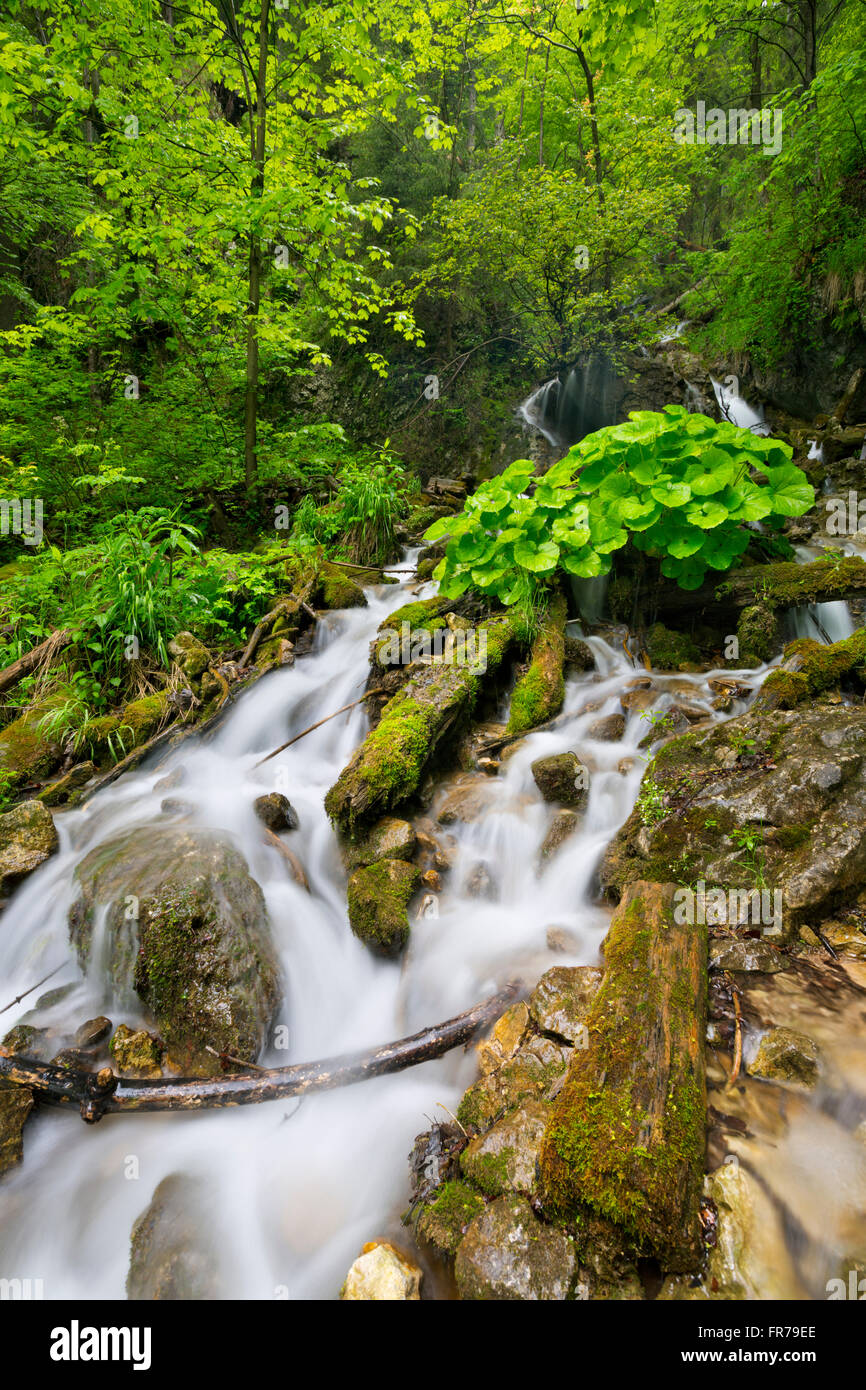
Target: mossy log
101,1093
389,764
775,586
626,1138
539,693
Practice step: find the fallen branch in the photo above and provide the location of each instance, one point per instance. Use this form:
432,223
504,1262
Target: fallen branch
102,1093
19,997
319,722
11,675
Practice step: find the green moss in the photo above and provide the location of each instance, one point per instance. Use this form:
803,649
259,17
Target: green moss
786,584
338,590
538,695
610,1148
757,634
443,1222
425,612
669,650
378,897
489,1172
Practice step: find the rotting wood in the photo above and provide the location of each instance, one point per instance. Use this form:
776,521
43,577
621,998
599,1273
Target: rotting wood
102,1093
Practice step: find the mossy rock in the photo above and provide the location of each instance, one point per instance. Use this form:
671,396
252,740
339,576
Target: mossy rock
671,651
378,897
26,753
508,1254
443,1222
191,655
186,926
338,589
16,1102
27,839
136,1052
810,668
114,735
757,635
389,838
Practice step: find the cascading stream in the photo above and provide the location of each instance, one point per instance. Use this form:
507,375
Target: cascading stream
292,1192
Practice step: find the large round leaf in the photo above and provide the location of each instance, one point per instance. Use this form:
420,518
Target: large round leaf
671,494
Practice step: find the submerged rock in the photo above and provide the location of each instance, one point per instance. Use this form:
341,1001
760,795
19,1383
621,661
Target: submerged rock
757,956
382,1274
608,730
92,1031
508,1254
27,838
562,827
786,1055
378,900
187,926
172,1253
16,1102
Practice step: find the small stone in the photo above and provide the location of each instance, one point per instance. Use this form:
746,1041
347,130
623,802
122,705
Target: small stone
508,1254
845,938
786,1055
638,699
562,940
747,955
809,938
382,1274
137,1053
561,1001
94,1031
176,806
609,729
276,812
432,880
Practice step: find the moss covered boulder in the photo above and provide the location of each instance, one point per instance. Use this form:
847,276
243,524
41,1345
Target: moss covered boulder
443,1222
136,1052
784,1054
191,655
27,752
27,838
114,735
337,588
389,838
186,926
378,897
562,778
504,1158
771,801
671,651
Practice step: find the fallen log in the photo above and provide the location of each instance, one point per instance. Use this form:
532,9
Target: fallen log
389,764
778,586
102,1093
625,1143
11,675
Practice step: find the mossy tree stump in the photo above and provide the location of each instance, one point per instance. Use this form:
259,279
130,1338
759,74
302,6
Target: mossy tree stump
626,1137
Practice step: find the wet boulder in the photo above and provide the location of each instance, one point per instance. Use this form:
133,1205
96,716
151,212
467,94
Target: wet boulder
772,799
191,655
186,926
136,1052
172,1253
61,792
276,812
561,828
787,1055
378,900
503,1159
508,1254
610,729
443,1222
561,778
27,839
389,838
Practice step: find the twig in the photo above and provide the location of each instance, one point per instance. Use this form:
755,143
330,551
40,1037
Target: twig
738,1033
319,722
32,987
237,1061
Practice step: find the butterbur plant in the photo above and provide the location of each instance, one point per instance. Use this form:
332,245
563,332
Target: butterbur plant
680,487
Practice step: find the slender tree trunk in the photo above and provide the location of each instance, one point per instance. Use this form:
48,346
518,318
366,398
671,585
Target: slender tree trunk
258,128
755,62
541,111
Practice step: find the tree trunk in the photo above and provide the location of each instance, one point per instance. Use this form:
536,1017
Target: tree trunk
625,1142
258,128
10,675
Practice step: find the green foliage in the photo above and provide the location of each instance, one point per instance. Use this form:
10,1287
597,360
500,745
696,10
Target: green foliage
680,486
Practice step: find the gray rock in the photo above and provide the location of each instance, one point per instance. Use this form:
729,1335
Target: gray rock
560,778
503,1160
747,955
508,1254
561,1001
389,838
172,1252
609,729
276,811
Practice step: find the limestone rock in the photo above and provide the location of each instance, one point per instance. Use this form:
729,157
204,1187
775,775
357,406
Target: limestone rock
382,1274
508,1254
27,839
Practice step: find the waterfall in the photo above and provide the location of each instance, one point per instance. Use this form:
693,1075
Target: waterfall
738,411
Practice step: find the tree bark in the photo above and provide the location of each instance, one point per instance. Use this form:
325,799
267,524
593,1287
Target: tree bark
625,1142
258,127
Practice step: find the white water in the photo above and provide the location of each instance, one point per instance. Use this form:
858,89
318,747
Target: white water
292,1200
738,411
